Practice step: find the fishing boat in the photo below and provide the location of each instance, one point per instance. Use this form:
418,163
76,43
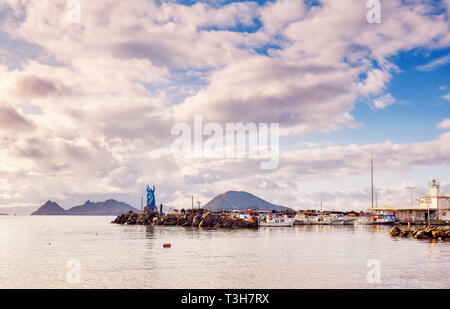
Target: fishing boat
371,219
365,220
349,220
337,219
276,220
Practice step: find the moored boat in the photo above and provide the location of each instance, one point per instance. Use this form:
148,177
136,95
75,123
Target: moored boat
337,219
276,220
349,221
371,219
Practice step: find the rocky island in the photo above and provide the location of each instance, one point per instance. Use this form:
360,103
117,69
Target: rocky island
241,200
107,208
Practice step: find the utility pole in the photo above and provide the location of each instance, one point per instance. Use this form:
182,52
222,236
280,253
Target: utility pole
320,206
142,202
192,202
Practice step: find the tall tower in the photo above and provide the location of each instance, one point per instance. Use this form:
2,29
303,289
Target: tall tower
433,186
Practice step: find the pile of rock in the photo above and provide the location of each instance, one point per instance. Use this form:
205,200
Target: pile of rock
430,232
191,217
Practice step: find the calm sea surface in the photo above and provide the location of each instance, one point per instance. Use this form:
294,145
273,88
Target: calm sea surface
40,252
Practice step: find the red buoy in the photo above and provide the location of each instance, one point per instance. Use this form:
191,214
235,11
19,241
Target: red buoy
167,245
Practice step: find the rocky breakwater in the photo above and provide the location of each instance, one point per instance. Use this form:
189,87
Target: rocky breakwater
430,232
188,218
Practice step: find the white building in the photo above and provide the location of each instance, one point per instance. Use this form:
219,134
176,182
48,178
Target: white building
436,205
436,201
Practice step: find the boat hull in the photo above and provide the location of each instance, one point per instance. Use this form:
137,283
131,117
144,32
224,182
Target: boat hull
282,224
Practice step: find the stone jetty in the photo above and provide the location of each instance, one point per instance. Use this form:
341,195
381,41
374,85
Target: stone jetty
430,232
188,218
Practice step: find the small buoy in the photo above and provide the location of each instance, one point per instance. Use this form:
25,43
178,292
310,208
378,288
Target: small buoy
167,245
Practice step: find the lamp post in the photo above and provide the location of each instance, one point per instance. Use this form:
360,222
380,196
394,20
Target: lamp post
411,188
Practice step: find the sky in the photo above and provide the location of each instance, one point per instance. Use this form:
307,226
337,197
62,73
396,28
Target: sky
87,104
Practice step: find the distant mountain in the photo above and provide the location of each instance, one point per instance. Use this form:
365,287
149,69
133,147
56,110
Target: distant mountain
239,200
49,209
106,208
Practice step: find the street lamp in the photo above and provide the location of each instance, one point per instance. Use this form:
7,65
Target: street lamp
411,188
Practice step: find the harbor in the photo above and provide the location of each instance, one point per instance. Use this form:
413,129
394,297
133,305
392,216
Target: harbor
433,209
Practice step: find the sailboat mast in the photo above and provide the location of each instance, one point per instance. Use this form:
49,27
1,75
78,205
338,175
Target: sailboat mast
371,178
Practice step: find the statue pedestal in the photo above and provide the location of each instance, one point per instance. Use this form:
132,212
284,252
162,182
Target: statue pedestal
150,210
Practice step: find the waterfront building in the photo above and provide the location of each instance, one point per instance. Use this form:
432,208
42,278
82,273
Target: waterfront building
435,206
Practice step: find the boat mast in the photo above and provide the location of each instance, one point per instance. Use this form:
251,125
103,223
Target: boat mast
371,178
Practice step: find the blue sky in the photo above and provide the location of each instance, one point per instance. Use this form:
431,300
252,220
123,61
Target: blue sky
421,105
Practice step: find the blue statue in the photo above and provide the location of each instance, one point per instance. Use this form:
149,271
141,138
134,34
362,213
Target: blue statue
151,198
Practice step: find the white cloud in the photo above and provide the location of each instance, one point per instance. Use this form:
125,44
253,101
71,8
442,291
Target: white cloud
384,101
91,114
444,124
303,98
435,63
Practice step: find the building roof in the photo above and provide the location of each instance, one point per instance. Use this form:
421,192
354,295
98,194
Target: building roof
397,208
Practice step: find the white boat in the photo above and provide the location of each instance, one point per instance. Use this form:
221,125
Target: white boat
276,220
364,221
337,219
349,220
306,219
376,220
331,219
